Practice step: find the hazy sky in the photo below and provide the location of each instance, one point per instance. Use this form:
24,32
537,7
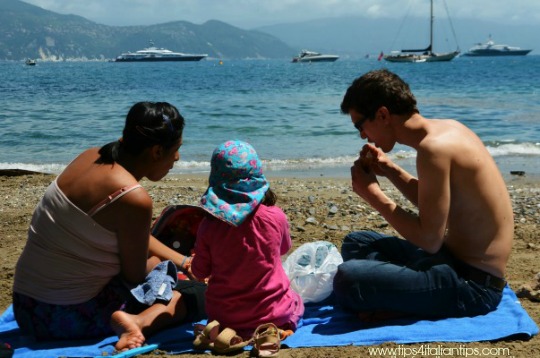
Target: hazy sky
254,13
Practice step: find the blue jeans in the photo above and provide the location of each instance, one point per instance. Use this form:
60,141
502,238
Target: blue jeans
387,274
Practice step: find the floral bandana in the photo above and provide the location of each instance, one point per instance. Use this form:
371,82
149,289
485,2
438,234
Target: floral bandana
236,184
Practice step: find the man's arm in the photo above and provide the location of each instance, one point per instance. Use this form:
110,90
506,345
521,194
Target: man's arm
427,228
379,162
404,182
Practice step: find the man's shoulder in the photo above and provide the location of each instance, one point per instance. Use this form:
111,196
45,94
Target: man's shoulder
446,135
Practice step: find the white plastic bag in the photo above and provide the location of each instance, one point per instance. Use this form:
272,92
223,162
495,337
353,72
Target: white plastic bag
311,269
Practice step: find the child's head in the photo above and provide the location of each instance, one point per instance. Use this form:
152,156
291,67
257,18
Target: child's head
237,184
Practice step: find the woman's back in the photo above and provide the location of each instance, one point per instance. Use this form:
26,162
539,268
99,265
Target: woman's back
68,257
86,183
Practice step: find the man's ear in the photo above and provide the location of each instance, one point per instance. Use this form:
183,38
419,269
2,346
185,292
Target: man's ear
383,112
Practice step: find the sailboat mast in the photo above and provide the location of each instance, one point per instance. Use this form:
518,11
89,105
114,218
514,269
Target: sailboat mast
431,30
427,54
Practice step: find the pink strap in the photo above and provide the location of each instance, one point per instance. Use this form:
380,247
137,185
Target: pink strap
112,198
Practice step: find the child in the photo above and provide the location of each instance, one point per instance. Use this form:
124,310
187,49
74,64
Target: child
239,246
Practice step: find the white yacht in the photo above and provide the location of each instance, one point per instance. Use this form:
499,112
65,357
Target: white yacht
491,49
155,54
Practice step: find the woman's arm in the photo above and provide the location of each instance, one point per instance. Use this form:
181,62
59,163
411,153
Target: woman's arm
163,252
132,216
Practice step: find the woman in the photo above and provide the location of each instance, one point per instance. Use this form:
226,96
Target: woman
89,240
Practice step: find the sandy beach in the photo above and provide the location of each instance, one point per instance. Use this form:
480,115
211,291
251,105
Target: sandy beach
318,208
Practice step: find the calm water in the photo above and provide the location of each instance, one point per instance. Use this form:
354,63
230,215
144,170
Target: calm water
289,112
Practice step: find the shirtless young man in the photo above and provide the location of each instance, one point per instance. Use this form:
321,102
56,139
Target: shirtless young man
453,259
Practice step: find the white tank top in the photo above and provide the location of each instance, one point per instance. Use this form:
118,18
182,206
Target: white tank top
68,258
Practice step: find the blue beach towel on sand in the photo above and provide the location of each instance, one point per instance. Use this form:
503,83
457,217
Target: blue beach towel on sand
323,326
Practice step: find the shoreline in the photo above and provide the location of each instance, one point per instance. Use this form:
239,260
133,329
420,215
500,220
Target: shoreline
511,167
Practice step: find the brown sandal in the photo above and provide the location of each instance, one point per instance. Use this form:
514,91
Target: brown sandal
205,336
209,337
228,341
267,340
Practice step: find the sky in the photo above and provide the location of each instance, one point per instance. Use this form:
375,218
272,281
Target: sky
249,14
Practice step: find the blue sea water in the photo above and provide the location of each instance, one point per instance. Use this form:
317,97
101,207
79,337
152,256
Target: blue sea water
288,111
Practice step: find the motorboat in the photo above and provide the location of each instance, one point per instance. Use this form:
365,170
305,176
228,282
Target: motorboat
155,54
490,48
422,55
30,62
311,56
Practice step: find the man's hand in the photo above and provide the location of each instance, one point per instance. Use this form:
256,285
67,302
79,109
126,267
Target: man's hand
374,159
363,178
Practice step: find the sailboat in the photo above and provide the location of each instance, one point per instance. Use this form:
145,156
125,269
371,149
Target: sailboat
422,55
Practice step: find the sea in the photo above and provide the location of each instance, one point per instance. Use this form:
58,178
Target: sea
290,112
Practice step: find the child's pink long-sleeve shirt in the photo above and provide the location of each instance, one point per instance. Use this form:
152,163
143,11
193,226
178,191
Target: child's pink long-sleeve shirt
248,285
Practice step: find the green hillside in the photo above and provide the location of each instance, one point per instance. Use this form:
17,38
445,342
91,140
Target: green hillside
28,31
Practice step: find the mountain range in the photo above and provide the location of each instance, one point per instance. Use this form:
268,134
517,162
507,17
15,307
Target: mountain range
28,31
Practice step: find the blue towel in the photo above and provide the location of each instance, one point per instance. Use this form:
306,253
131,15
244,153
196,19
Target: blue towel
158,284
323,326
326,326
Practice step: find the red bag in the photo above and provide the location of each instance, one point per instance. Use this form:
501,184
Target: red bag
177,227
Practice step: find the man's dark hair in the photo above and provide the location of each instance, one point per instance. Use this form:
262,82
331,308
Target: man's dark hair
376,89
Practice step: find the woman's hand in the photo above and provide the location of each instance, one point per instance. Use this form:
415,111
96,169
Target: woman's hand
190,274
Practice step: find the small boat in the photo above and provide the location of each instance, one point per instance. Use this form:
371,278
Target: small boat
30,62
154,54
489,48
311,56
422,55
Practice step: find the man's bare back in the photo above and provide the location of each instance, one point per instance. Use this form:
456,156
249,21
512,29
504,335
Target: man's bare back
480,221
